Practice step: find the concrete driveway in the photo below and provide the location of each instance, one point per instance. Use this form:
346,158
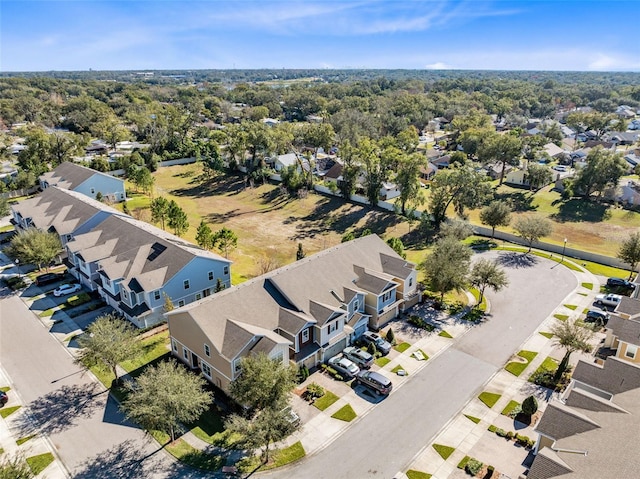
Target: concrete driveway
386,440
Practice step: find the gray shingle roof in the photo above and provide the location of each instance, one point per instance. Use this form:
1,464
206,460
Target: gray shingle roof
560,421
69,175
618,379
626,330
630,306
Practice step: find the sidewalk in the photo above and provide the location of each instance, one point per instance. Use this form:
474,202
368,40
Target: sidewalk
468,432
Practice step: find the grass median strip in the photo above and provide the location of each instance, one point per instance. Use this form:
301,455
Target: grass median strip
345,413
400,368
7,411
561,317
325,401
489,399
587,285
40,462
473,419
402,347
517,367
510,407
444,451
546,334
382,361
444,334
572,307
413,474
22,440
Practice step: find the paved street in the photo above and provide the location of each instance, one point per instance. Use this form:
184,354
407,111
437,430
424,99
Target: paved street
395,431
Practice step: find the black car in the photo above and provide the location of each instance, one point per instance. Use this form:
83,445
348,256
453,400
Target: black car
596,316
3,398
620,283
49,278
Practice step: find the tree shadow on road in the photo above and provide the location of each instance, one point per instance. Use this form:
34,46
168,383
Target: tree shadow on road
60,409
513,259
123,461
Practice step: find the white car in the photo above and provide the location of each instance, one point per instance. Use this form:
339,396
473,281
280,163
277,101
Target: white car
611,300
66,289
363,359
345,367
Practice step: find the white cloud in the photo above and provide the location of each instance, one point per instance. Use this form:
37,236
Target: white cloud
605,62
438,66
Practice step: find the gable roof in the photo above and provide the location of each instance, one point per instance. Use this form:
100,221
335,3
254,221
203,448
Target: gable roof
69,175
626,330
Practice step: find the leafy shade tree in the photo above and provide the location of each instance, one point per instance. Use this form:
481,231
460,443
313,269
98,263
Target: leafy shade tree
33,246
447,267
204,236
397,246
300,253
143,179
108,341
532,228
177,218
15,467
4,206
505,149
348,236
212,163
461,187
226,240
408,181
350,169
604,168
629,252
530,406
572,336
159,210
263,383
458,229
487,274
496,213
165,396
538,175
374,171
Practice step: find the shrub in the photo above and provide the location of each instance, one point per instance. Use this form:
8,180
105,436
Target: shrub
372,349
79,299
303,373
501,432
515,411
314,391
529,406
524,441
420,323
489,474
509,435
473,466
391,337
492,428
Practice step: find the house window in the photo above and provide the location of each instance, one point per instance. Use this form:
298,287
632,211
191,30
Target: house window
631,351
185,354
237,366
305,335
386,296
156,295
278,357
174,345
125,294
186,284
207,350
198,296
410,282
69,237
226,271
181,303
210,275
206,370
332,327
356,305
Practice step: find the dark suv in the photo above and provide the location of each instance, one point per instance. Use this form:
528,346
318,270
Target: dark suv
620,283
376,381
49,278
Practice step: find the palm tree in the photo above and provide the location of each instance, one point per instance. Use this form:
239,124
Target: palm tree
573,336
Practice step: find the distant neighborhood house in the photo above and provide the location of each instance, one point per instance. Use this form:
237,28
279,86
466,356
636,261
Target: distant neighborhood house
81,179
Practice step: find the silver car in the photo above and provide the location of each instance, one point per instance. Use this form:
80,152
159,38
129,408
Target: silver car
362,358
343,366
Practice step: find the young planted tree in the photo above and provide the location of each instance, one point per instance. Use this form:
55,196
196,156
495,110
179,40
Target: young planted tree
529,406
572,336
108,341
459,229
629,252
204,236
487,274
165,396
532,228
177,218
33,246
496,213
159,210
447,267
300,253
168,304
397,246
226,240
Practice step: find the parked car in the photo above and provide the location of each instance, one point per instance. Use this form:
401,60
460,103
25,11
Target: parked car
66,289
376,381
620,283
345,367
291,416
610,299
597,316
3,398
362,358
381,345
48,278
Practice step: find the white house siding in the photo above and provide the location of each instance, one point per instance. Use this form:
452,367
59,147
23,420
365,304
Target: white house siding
108,186
197,273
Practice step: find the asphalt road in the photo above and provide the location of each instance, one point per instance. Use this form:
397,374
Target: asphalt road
85,427
387,439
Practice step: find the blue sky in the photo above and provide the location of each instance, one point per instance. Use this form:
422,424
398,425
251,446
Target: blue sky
458,34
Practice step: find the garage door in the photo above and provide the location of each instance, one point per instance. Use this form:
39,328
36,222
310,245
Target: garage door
334,349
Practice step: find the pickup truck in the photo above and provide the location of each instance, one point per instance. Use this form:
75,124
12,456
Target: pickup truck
611,300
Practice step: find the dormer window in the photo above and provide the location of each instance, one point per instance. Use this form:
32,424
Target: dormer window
186,284
305,335
356,306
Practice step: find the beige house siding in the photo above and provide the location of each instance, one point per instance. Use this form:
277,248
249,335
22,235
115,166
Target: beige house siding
622,353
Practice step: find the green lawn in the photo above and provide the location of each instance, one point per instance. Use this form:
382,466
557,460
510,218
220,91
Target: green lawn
476,294
426,356
472,418
587,285
489,399
209,427
444,451
22,440
5,389
399,368
40,462
188,454
152,348
572,307
546,334
413,474
7,411
561,317
325,401
516,367
463,462
402,347
510,407
345,413
444,334
549,364
382,361
279,458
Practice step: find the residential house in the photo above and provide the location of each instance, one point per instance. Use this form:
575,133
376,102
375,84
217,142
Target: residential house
554,151
634,125
494,170
130,263
428,172
72,176
623,331
389,190
305,312
625,112
623,137
441,161
591,432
